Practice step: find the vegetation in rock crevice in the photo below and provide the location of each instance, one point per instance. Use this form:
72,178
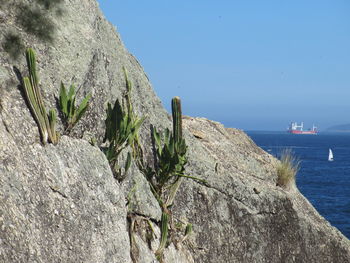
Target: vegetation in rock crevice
13,45
71,113
122,131
46,122
35,19
168,171
36,22
122,128
49,4
287,169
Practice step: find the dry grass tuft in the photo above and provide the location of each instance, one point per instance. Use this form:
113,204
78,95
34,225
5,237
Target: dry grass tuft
287,169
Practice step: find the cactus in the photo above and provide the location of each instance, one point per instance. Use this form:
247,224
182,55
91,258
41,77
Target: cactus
166,176
170,159
164,235
46,124
177,119
52,120
180,147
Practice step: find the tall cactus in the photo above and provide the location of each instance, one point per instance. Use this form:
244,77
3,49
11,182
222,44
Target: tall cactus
45,123
177,119
180,149
31,89
167,174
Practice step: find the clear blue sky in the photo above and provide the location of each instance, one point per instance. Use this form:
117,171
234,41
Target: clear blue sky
250,64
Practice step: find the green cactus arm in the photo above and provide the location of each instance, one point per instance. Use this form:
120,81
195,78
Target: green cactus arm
52,120
177,118
29,91
46,123
31,63
34,79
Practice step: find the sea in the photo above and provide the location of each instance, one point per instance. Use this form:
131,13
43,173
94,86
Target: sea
324,183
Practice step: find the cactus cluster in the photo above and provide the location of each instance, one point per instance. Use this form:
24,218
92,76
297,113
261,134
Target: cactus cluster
122,128
170,159
166,175
170,149
46,122
71,113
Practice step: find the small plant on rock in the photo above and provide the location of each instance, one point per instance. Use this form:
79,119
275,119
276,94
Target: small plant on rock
49,4
46,122
70,112
36,21
287,169
13,45
122,128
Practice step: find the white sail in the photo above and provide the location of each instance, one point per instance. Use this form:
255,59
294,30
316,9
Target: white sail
330,155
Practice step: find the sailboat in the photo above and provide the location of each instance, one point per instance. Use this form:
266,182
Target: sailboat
330,156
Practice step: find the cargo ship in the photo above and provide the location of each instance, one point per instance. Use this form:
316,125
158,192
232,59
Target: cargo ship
294,128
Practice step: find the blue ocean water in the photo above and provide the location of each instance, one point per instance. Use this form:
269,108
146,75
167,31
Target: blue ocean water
325,184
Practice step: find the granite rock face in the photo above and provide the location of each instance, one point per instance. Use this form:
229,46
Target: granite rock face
242,216
61,203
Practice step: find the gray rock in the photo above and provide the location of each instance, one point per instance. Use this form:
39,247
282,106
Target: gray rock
140,198
242,216
146,243
144,253
61,203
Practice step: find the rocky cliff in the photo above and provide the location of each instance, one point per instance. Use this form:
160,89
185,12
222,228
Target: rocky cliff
61,203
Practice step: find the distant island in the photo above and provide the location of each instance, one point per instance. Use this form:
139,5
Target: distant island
339,128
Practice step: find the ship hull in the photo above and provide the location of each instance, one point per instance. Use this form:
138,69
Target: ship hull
303,132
